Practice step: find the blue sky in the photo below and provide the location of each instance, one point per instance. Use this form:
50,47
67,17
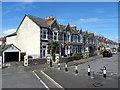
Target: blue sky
98,17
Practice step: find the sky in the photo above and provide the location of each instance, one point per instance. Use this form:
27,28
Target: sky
98,17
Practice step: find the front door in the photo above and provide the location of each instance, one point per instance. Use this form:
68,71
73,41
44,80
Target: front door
44,52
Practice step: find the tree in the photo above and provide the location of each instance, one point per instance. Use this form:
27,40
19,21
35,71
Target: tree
53,47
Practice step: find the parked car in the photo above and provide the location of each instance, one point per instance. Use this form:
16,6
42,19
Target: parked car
107,54
114,52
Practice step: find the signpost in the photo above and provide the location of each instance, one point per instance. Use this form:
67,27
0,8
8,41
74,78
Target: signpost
25,60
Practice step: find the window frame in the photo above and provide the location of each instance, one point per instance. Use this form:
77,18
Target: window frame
46,34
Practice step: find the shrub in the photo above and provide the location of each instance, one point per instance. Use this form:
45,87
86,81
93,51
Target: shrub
74,54
29,56
79,53
65,55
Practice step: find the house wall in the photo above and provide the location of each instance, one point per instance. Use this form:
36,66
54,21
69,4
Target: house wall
27,38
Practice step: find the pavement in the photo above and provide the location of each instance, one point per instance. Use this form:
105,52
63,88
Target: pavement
47,66
42,76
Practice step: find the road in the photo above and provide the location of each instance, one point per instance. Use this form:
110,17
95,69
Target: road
54,78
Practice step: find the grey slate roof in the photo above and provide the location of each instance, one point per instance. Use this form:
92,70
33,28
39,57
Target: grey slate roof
40,22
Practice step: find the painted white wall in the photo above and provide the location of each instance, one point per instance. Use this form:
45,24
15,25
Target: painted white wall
27,38
0,42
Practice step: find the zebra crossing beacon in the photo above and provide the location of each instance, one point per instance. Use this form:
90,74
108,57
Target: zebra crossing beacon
59,65
66,67
88,70
25,60
104,72
76,68
0,62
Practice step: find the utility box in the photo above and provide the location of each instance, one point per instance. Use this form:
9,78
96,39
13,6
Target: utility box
57,57
25,60
48,59
0,62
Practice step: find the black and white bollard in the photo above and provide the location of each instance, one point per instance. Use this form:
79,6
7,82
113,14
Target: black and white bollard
59,65
76,68
26,60
104,72
66,67
88,70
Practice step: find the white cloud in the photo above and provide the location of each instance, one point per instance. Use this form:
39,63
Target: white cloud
86,20
117,38
9,31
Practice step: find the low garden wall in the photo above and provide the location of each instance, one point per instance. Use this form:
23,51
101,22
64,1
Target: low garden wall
68,59
37,61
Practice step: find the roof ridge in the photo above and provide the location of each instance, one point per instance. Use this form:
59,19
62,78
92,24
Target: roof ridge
35,16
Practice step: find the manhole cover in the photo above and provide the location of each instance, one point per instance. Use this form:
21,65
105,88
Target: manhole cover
97,84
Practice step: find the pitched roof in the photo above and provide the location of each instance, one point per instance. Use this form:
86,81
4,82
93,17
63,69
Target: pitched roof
39,21
3,39
6,46
13,34
62,27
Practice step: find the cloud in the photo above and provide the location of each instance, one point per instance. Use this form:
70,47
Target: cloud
9,31
88,20
117,38
85,20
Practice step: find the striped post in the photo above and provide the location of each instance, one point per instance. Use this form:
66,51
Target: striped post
104,72
76,68
88,70
66,69
59,65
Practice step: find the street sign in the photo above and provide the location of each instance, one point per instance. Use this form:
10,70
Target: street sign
0,62
26,60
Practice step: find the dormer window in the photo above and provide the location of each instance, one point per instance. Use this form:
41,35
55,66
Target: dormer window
44,34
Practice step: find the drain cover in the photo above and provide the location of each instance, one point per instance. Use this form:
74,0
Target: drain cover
97,84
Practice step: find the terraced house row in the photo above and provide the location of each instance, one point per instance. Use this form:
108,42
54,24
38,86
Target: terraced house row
34,34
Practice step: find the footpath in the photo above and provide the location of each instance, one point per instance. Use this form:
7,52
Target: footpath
19,65
55,65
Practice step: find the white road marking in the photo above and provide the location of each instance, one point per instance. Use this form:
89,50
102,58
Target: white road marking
41,80
53,81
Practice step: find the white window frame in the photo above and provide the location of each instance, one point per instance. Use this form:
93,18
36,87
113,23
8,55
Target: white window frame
81,38
69,39
46,34
76,38
54,35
